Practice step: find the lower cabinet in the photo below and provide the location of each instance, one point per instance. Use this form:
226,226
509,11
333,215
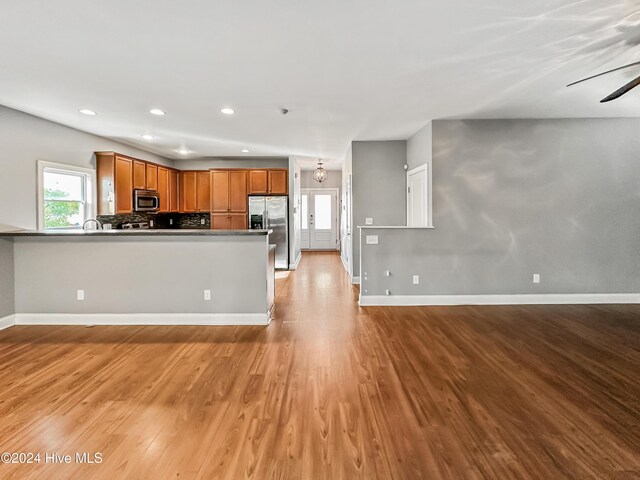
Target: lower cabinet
229,221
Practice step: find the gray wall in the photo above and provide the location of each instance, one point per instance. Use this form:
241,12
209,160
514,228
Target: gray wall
7,306
206,163
141,275
516,197
334,180
378,185
26,139
419,147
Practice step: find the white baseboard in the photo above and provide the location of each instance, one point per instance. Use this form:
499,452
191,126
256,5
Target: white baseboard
8,321
524,299
355,280
142,319
293,266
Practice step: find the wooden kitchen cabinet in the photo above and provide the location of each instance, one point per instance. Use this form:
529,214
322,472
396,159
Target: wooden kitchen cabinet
278,184
188,192
163,188
220,191
258,180
115,183
229,199
203,191
174,203
238,221
151,176
229,221
238,191
139,175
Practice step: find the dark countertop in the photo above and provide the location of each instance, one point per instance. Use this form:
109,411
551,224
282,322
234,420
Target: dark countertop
135,233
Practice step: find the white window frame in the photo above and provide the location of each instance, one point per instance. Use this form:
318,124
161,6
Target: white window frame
89,176
428,197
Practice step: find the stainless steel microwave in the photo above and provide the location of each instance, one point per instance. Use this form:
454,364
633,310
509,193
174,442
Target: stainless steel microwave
146,201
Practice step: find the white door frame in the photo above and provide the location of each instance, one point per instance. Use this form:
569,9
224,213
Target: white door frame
426,167
306,191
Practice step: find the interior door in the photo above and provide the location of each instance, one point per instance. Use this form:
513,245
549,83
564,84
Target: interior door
417,214
322,219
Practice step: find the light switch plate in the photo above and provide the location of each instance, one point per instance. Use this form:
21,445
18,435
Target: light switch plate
207,295
536,278
368,221
372,239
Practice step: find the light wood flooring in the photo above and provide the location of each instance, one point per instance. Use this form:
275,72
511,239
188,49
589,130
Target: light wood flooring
332,391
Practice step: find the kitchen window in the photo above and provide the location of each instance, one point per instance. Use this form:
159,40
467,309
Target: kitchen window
65,195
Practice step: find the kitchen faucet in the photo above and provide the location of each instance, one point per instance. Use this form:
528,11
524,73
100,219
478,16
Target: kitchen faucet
97,222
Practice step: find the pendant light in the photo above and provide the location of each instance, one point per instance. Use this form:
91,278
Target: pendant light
320,174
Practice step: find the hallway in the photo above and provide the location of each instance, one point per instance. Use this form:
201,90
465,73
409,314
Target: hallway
332,391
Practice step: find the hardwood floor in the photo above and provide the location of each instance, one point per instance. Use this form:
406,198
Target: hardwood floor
332,391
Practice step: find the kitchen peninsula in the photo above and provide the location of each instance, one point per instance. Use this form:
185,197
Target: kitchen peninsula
142,277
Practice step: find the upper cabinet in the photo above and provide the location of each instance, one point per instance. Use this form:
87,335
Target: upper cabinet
163,188
238,191
115,183
195,191
188,194
152,176
203,192
174,198
217,191
229,191
268,182
258,180
139,175
278,184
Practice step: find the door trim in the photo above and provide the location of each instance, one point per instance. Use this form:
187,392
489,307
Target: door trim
335,190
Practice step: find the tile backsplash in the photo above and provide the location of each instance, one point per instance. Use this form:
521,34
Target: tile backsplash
160,220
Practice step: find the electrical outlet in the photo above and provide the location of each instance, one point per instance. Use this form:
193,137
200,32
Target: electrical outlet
372,239
416,279
171,221
536,278
387,273
368,221
80,295
202,221
387,292
207,295
151,223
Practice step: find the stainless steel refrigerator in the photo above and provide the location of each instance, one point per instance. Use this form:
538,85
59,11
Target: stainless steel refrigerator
272,213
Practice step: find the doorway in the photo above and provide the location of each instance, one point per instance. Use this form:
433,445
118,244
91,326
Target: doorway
319,214
418,197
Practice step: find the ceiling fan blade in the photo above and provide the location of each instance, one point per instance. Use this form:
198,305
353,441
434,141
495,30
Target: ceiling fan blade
604,73
621,91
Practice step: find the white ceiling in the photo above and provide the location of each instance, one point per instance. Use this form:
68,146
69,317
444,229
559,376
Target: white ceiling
346,69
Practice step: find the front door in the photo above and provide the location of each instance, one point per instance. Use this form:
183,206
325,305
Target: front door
319,219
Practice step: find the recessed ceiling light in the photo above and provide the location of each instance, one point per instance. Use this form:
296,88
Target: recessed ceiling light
157,111
183,151
86,111
228,111
146,136
244,150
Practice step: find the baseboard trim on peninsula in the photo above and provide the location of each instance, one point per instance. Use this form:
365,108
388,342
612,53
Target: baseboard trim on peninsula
142,319
524,299
8,321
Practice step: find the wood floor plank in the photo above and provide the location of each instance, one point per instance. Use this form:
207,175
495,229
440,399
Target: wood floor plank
332,390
